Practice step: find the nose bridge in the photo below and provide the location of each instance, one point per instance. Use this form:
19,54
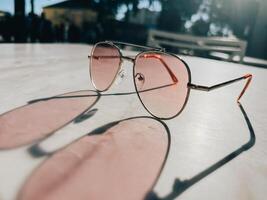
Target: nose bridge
131,59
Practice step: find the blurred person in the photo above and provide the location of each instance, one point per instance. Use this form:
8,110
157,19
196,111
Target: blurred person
46,33
74,34
7,28
89,34
33,26
1,28
101,33
60,32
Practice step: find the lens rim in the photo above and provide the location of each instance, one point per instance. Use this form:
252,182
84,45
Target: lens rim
90,64
188,89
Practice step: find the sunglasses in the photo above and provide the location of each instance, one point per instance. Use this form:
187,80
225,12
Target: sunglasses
162,80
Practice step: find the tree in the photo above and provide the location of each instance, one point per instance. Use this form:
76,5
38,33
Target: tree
19,7
19,21
32,6
175,12
111,7
239,15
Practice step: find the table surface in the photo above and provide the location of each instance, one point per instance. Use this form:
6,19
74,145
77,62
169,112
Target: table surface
217,149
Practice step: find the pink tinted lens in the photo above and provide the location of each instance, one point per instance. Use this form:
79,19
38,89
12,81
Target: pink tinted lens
161,81
105,63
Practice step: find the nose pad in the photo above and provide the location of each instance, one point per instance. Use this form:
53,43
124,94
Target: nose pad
120,76
140,80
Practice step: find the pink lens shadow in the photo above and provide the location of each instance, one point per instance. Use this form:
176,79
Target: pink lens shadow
162,83
104,65
37,120
122,163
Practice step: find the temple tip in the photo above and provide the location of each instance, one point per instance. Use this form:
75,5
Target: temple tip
249,77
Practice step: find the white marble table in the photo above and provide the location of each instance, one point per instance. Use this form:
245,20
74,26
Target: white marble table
212,154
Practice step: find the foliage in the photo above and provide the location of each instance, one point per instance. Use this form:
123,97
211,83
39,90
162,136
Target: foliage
237,14
175,12
110,7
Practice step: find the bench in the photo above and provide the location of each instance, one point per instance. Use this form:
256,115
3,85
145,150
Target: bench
230,46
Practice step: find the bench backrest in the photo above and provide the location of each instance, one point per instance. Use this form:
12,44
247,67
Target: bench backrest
229,46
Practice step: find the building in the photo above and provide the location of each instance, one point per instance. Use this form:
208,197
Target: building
77,12
3,14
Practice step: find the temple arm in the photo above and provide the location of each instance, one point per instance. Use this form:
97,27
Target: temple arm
207,89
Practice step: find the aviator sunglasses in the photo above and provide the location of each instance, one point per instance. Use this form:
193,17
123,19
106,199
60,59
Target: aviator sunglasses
162,80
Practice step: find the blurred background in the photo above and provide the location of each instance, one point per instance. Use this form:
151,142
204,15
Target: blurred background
198,27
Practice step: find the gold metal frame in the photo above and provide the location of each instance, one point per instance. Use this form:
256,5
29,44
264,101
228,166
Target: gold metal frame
207,89
157,50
